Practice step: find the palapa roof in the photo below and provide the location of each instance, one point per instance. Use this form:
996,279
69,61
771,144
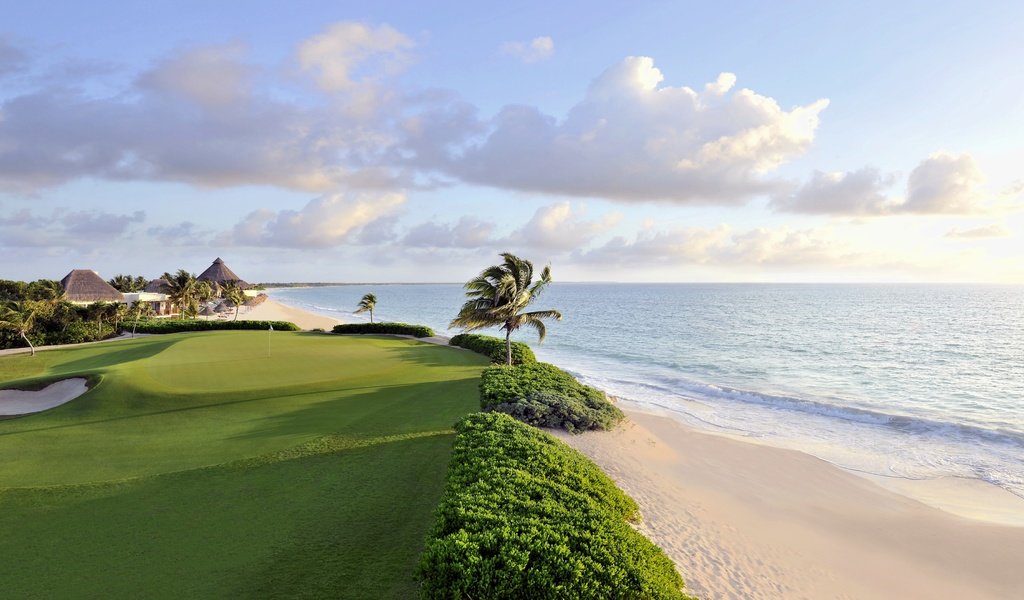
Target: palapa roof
84,285
220,274
207,312
158,286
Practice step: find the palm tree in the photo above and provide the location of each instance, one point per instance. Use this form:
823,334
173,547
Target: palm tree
99,311
119,312
141,309
499,295
367,304
19,316
126,283
235,294
183,291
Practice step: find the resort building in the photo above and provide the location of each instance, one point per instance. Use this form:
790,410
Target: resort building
83,286
218,274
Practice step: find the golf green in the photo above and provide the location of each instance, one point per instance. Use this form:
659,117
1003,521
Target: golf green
229,464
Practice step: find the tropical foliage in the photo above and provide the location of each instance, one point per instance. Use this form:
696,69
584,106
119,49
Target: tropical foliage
493,348
183,292
366,304
523,515
499,296
234,293
128,283
19,317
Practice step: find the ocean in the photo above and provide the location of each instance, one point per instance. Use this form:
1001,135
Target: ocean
907,381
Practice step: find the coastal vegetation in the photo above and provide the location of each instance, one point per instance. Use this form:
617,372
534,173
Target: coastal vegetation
54,319
541,394
233,293
523,515
128,283
19,317
366,304
498,297
196,467
493,348
420,331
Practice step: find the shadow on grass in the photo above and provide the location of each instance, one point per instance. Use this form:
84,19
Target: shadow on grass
105,358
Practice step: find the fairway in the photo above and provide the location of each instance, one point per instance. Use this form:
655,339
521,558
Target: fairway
199,466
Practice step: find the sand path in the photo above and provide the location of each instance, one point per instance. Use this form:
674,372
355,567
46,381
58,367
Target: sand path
20,402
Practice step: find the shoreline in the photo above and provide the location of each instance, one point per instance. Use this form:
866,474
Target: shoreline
751,521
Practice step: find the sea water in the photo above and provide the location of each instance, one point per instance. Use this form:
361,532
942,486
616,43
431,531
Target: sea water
909,381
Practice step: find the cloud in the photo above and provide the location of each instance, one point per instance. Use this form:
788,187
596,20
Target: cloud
329,220
979,233
944,184
215,77
196,117
468,232
185,233
12,58
559,227
859,192
630,138
721,246
349,53
85,229
537,49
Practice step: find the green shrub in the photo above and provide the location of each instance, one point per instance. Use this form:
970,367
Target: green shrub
541,394
420,331
177,326
493,348
525,516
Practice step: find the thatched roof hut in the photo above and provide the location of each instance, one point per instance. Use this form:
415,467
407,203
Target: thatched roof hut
84,285
206,312
158,286
218,273
224,306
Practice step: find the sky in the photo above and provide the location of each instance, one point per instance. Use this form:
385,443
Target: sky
616,141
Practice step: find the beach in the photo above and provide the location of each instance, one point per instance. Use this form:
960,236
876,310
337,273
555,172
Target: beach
747,521
272,310
744,520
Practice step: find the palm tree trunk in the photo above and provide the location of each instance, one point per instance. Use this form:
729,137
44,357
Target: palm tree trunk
31,348
371,315
236,312
508,345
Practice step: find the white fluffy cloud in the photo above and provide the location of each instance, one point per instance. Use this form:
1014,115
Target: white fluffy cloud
560,227
861,192
348,54
631,138
944,183
327,221
535,50
468,232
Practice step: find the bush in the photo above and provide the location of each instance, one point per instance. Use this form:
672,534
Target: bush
177,326
525,516
544,395
420,331
493,348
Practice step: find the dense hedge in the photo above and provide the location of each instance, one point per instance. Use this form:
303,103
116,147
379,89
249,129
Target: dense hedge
176,326
544,395
419,331
525,516
494,348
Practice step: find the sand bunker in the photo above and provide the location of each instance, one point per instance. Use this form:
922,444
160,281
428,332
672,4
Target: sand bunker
20,402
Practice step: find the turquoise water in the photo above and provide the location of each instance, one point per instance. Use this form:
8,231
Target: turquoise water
912,381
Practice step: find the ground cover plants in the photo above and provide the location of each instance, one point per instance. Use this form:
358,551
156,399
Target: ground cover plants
541,394
420,331
523,515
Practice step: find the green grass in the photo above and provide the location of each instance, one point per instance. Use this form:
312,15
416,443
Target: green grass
199,467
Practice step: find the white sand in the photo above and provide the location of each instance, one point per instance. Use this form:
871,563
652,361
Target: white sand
272,310
747,521
19,402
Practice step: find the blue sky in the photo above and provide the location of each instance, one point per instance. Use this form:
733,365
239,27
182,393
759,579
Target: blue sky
401,141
